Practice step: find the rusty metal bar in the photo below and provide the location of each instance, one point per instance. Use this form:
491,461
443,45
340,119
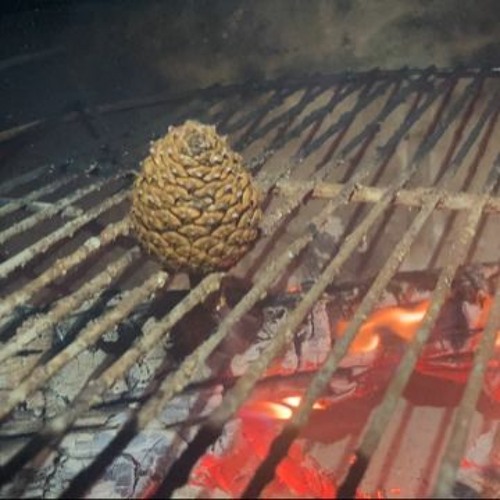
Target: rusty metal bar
236,396
279,447
465,231
29,330
463,416
449,200
54,209
85,339
63,266
22,258
177,381
53,431
28,200
32,175
281,444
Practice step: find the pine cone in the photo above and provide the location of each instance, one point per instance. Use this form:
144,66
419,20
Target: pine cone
193,204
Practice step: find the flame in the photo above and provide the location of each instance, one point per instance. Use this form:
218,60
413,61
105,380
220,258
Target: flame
281,409
402,321
294,288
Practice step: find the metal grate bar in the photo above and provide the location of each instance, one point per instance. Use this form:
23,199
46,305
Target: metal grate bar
30,176
281,444
29,200
237,395
86,338
430,91
53,431
463,416
449,200
464,233
30,329
53,209
22,258
63,266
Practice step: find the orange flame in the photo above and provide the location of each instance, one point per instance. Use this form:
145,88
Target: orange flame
402,321
278,410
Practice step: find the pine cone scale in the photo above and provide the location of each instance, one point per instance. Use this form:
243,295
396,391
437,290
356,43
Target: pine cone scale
194,205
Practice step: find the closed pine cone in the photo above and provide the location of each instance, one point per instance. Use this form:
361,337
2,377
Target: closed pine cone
193,204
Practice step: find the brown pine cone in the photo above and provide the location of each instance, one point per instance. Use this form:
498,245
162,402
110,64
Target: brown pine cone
193,204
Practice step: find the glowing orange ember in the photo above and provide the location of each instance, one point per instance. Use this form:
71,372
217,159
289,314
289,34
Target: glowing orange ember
260,419
298,474
402,321
282,409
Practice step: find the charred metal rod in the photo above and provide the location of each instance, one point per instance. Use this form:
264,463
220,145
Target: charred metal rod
36,206
464,231
235,396
86,338
62,266
32,175
29,330
14,204
449,200
384,412
176,382
54,430
365,98
463,416
52,210
281,444
93,392
22,258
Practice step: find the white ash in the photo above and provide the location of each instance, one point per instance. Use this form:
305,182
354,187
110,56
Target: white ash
311,341
129,474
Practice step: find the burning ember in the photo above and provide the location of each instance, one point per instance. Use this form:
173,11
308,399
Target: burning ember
402,321
362,378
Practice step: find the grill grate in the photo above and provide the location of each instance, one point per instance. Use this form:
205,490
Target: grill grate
360,145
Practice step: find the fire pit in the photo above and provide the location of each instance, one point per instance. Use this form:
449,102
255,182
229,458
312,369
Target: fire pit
352,352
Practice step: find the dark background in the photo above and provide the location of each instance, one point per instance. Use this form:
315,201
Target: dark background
56,52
